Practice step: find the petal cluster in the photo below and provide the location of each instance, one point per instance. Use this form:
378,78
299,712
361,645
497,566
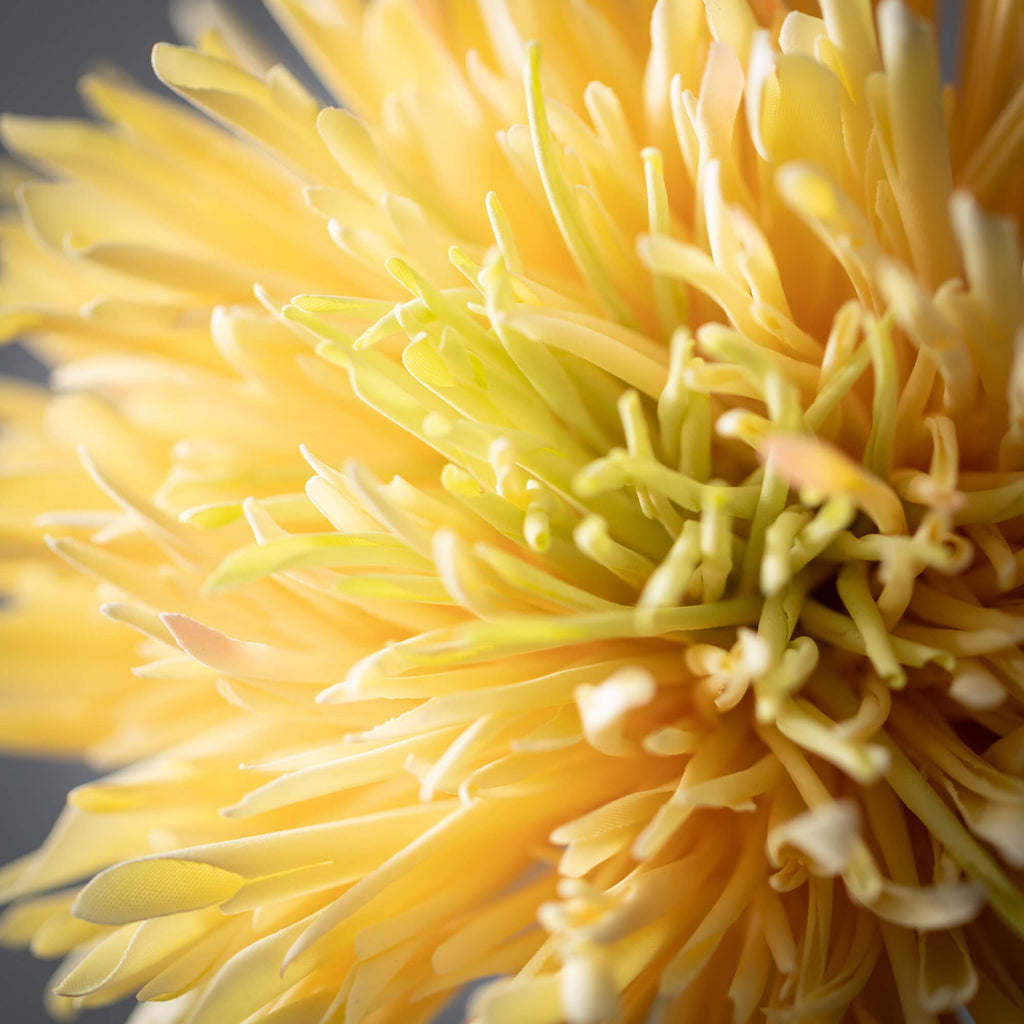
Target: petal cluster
556,515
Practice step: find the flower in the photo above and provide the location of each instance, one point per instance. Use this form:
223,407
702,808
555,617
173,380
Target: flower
556,515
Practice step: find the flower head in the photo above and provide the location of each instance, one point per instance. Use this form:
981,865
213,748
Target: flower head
556,514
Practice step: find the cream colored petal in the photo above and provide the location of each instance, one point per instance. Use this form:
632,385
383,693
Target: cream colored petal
246,658
825,836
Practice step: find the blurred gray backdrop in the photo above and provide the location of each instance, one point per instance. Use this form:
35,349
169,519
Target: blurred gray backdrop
45,45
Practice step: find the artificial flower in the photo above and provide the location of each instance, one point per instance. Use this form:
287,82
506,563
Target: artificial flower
555,515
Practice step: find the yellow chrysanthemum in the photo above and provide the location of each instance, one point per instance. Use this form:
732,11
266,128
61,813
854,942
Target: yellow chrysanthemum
571,497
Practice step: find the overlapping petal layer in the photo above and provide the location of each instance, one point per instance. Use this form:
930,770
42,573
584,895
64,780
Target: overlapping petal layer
556,514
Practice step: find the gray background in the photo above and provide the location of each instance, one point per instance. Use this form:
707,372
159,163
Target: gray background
44,46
